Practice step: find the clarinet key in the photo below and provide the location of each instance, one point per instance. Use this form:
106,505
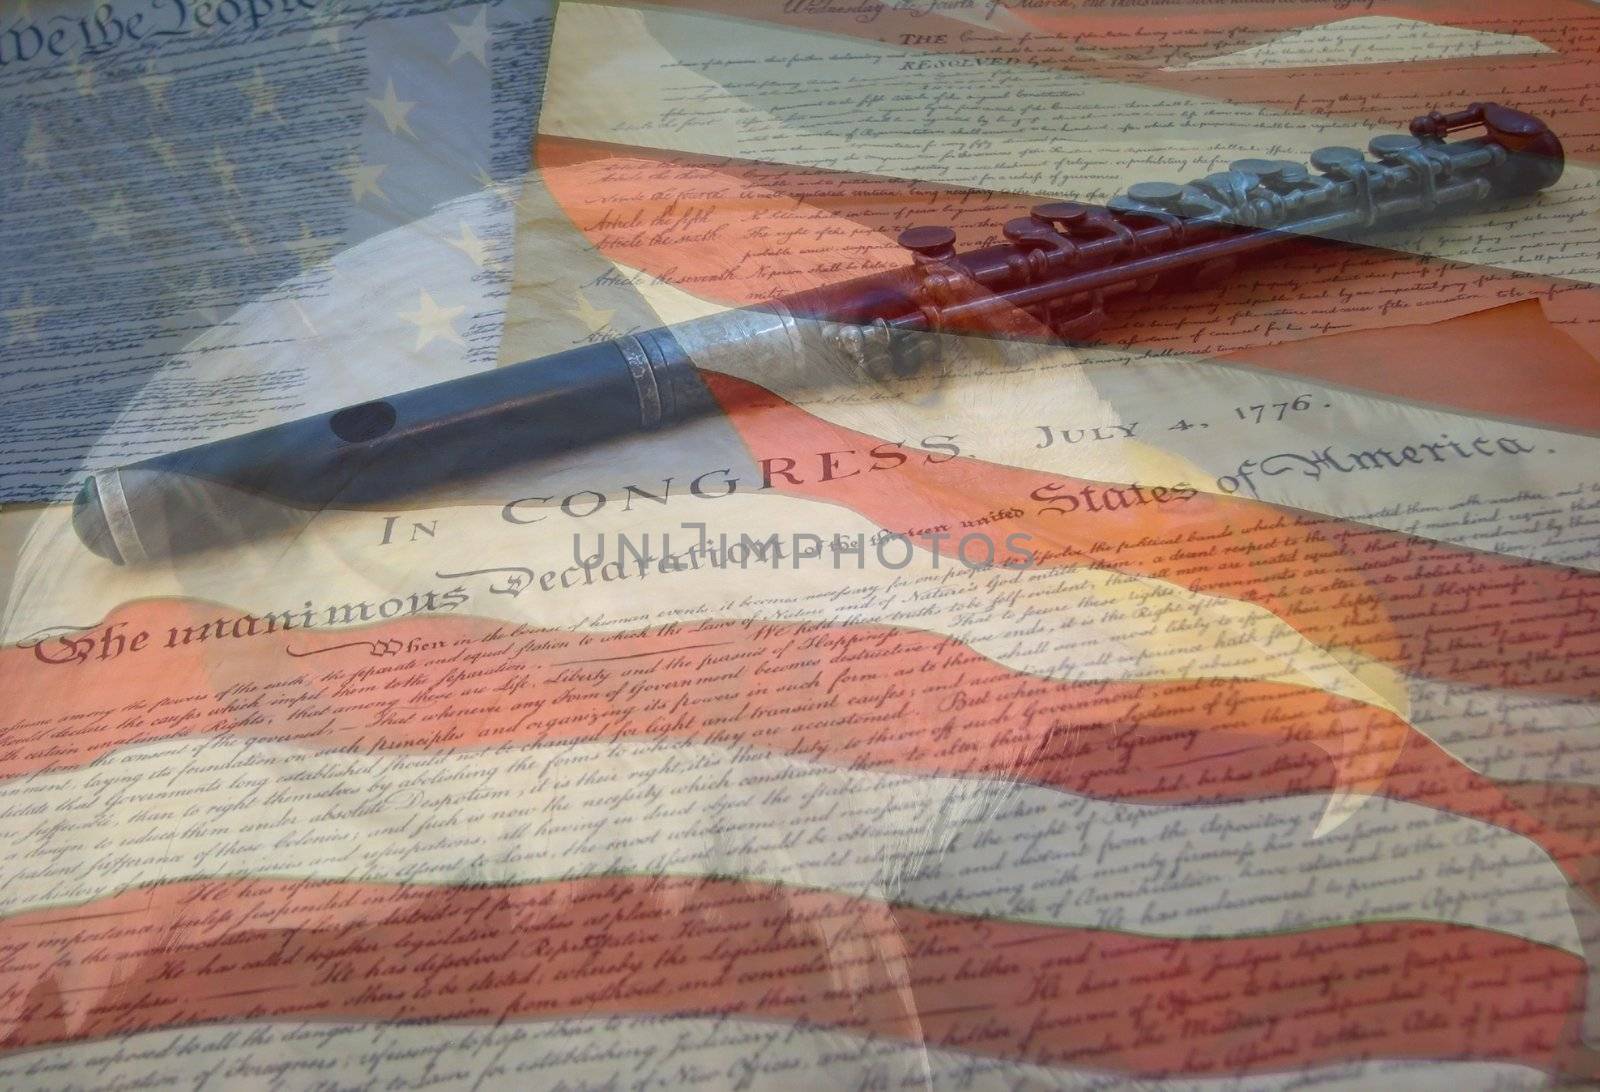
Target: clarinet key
930,243
1029,234
1167,196
1232,188
1061,215
1267,170
1391,147
1336,160
1291,174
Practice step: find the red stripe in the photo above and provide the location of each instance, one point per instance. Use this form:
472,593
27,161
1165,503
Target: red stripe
913,700
1396,598
1462,364
188,953
856,696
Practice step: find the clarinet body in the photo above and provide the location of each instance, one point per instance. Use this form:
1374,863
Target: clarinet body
1059,265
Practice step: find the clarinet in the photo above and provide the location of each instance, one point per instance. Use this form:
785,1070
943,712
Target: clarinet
1058,266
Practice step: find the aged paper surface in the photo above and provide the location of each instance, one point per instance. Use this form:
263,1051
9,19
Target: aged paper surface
165,192
1191,713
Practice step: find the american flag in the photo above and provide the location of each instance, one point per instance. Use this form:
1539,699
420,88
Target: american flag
1286,782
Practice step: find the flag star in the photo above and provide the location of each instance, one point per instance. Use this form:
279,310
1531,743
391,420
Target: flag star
363,180
85,77
241,231
394,111
224,168
330,33
110,217
471,245
472,39
207,314
36,149
155,85
305,319
163,148
262,95
188,315
595,318
22,321
433,323
500,190
310,250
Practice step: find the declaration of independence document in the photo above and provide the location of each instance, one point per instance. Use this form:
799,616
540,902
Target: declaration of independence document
186,203
469,706
1250,754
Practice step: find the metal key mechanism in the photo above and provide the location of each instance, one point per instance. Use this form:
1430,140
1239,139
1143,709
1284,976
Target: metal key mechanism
1534,157
1065,259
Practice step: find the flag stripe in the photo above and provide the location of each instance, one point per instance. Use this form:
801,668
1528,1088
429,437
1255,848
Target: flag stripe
1509,736
1530,625
660,1052
1081,623
856,696
263,950
690,100
977,846
1454,364
1217,793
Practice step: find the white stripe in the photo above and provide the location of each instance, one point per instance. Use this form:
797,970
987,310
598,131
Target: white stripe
1370,39
645,1052
1056,623
1508,735
1064,623
220,807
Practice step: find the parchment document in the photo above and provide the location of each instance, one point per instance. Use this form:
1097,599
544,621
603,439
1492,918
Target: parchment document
1057,715
193,200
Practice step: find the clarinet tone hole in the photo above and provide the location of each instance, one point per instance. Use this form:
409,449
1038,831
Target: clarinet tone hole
358,424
